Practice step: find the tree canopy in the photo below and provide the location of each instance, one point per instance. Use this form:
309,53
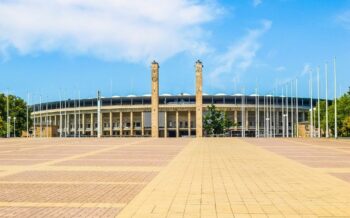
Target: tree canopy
343,116
18,109
216,122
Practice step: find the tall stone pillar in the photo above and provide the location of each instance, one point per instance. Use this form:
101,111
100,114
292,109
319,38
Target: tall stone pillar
199,99
155,99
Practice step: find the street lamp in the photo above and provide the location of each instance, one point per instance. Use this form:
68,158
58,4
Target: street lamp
14,127
8,127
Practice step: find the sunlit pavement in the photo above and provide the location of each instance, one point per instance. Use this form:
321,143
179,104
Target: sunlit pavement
144,177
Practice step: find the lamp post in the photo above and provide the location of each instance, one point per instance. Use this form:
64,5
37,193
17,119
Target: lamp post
14,127
8,127
284,124
8,115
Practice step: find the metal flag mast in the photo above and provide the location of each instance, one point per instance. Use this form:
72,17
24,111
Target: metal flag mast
40,119
27,114
258,112
312,107
287,118
8,114
79,129
61,129
47,117
292,108
318,104
335,102
283,129
98,114
297,106
327,127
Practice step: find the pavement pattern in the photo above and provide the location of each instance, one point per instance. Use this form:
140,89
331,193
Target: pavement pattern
145,177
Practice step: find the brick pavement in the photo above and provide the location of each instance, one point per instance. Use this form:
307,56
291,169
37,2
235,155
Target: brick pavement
78,177
211,177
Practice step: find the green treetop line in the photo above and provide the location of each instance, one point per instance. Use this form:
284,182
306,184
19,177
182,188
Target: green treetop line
343,116
18,109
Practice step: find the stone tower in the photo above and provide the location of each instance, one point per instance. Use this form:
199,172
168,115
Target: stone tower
155,98
199,99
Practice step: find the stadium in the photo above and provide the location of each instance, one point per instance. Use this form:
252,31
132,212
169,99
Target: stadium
166,115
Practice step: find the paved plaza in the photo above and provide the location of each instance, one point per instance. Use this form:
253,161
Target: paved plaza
186,177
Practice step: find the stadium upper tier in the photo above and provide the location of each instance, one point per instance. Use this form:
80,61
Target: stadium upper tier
218,99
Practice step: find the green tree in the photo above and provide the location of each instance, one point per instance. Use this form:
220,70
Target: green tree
216,122
346,126
18,109
2,127
343,112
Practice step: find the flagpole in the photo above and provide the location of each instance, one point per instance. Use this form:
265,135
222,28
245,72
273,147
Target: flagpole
292,108
287,117
318,103
335,101
312,107
283,129
258,113
34,117
47,117
8,114
79,129
61,129
27,114
41,125
297,105
327,127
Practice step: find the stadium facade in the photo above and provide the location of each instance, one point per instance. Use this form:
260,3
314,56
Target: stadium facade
170,115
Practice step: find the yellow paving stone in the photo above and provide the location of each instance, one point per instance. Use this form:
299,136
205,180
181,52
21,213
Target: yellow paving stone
209,177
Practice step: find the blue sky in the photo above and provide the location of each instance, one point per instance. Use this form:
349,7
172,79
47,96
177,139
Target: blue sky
48,47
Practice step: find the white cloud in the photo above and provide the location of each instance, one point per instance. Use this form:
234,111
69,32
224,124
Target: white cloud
239,57
280,68
256,2
306,69
344,19
133,30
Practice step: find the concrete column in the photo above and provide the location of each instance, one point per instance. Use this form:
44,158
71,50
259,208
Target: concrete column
142,124
55,120
83,123
189,122
246,119
67,127
235,118
110,123
92,123
165,124
121,123
177,123
155,99
199,99
131,123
